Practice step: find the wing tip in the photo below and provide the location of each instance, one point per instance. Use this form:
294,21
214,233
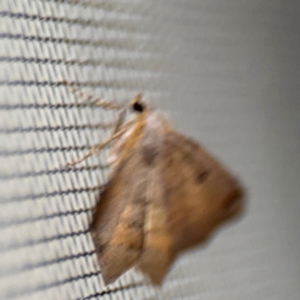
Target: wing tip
107,278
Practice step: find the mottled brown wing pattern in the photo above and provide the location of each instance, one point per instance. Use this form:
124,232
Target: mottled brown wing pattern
199,193
166,195
157,255
118,226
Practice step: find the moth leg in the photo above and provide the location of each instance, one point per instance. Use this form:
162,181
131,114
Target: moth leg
120,120
118,125
97,148
88,98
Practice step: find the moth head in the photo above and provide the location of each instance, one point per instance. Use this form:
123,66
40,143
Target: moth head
138,105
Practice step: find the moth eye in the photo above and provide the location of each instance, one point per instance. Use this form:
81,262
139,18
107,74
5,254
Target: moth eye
201,176
138,107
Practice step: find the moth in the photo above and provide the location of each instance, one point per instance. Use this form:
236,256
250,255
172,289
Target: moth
166,194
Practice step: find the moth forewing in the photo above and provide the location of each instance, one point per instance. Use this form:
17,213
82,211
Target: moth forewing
199,192
157,255
117,227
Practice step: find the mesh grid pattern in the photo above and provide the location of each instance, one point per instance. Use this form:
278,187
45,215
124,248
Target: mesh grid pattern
226,72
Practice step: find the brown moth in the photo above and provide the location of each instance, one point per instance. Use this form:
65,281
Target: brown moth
166,194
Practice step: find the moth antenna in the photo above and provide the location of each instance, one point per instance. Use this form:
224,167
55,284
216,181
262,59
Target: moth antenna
120,120
88,98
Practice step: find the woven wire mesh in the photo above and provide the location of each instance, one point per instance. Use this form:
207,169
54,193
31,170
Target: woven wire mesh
226,72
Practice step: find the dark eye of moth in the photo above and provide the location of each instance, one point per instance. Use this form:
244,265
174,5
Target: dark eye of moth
138,107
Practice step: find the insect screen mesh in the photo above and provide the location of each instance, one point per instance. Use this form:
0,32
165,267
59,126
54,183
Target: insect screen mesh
226,72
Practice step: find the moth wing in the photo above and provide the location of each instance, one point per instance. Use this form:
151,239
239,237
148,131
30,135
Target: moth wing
157,255
200,194
118,226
